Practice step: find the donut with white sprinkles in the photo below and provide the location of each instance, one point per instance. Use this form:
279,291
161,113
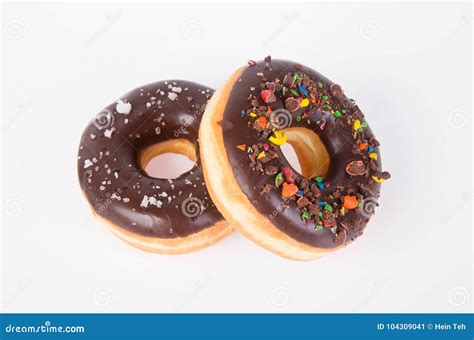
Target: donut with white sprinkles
168,216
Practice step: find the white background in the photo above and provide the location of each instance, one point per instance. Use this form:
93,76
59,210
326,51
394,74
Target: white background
408,67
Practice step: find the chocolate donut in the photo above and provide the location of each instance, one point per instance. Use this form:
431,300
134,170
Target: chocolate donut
160,215
299,216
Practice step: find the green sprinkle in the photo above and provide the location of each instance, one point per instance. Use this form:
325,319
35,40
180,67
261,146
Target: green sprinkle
325,97
294,92
344,111
305,214
298,77
320,214
364,124
321,85
319,179
318,227
283,90
278,178
328,207
337,114
298,118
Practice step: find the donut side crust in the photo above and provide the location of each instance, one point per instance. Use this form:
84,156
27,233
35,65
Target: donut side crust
170,246
226,193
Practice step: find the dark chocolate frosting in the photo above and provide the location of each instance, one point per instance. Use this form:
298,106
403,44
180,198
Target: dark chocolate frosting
113,182
314,214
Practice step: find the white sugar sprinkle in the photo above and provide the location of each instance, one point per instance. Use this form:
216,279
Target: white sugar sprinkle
108,132
144,203
123,107
87,163
172,95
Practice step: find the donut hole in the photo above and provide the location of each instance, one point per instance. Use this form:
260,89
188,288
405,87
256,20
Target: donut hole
169,159
290,154
306,153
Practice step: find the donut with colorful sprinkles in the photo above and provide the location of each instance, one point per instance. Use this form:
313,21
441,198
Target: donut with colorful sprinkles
300,216
160,215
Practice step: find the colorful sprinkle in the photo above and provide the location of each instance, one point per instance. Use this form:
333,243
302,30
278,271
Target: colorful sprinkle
304,102
373,155
305,215
265,94
262,121
279,138
242,147
350,202
328,207
288,175
303,90
356,125
279,179
337,114
289,190
378,180
318,227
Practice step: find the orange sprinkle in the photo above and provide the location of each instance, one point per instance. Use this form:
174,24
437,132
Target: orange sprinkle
362,146
242,147
289,190
350,202
262,121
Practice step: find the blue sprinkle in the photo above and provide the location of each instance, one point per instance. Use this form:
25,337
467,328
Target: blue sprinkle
320,185
303,90
300,192
322,203
371,149
242,113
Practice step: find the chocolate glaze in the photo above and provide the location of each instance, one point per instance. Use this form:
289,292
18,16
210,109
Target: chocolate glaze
113,182
337,136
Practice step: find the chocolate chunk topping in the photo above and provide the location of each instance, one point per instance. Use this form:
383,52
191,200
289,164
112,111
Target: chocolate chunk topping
340,237
336,91
292,104
356,168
